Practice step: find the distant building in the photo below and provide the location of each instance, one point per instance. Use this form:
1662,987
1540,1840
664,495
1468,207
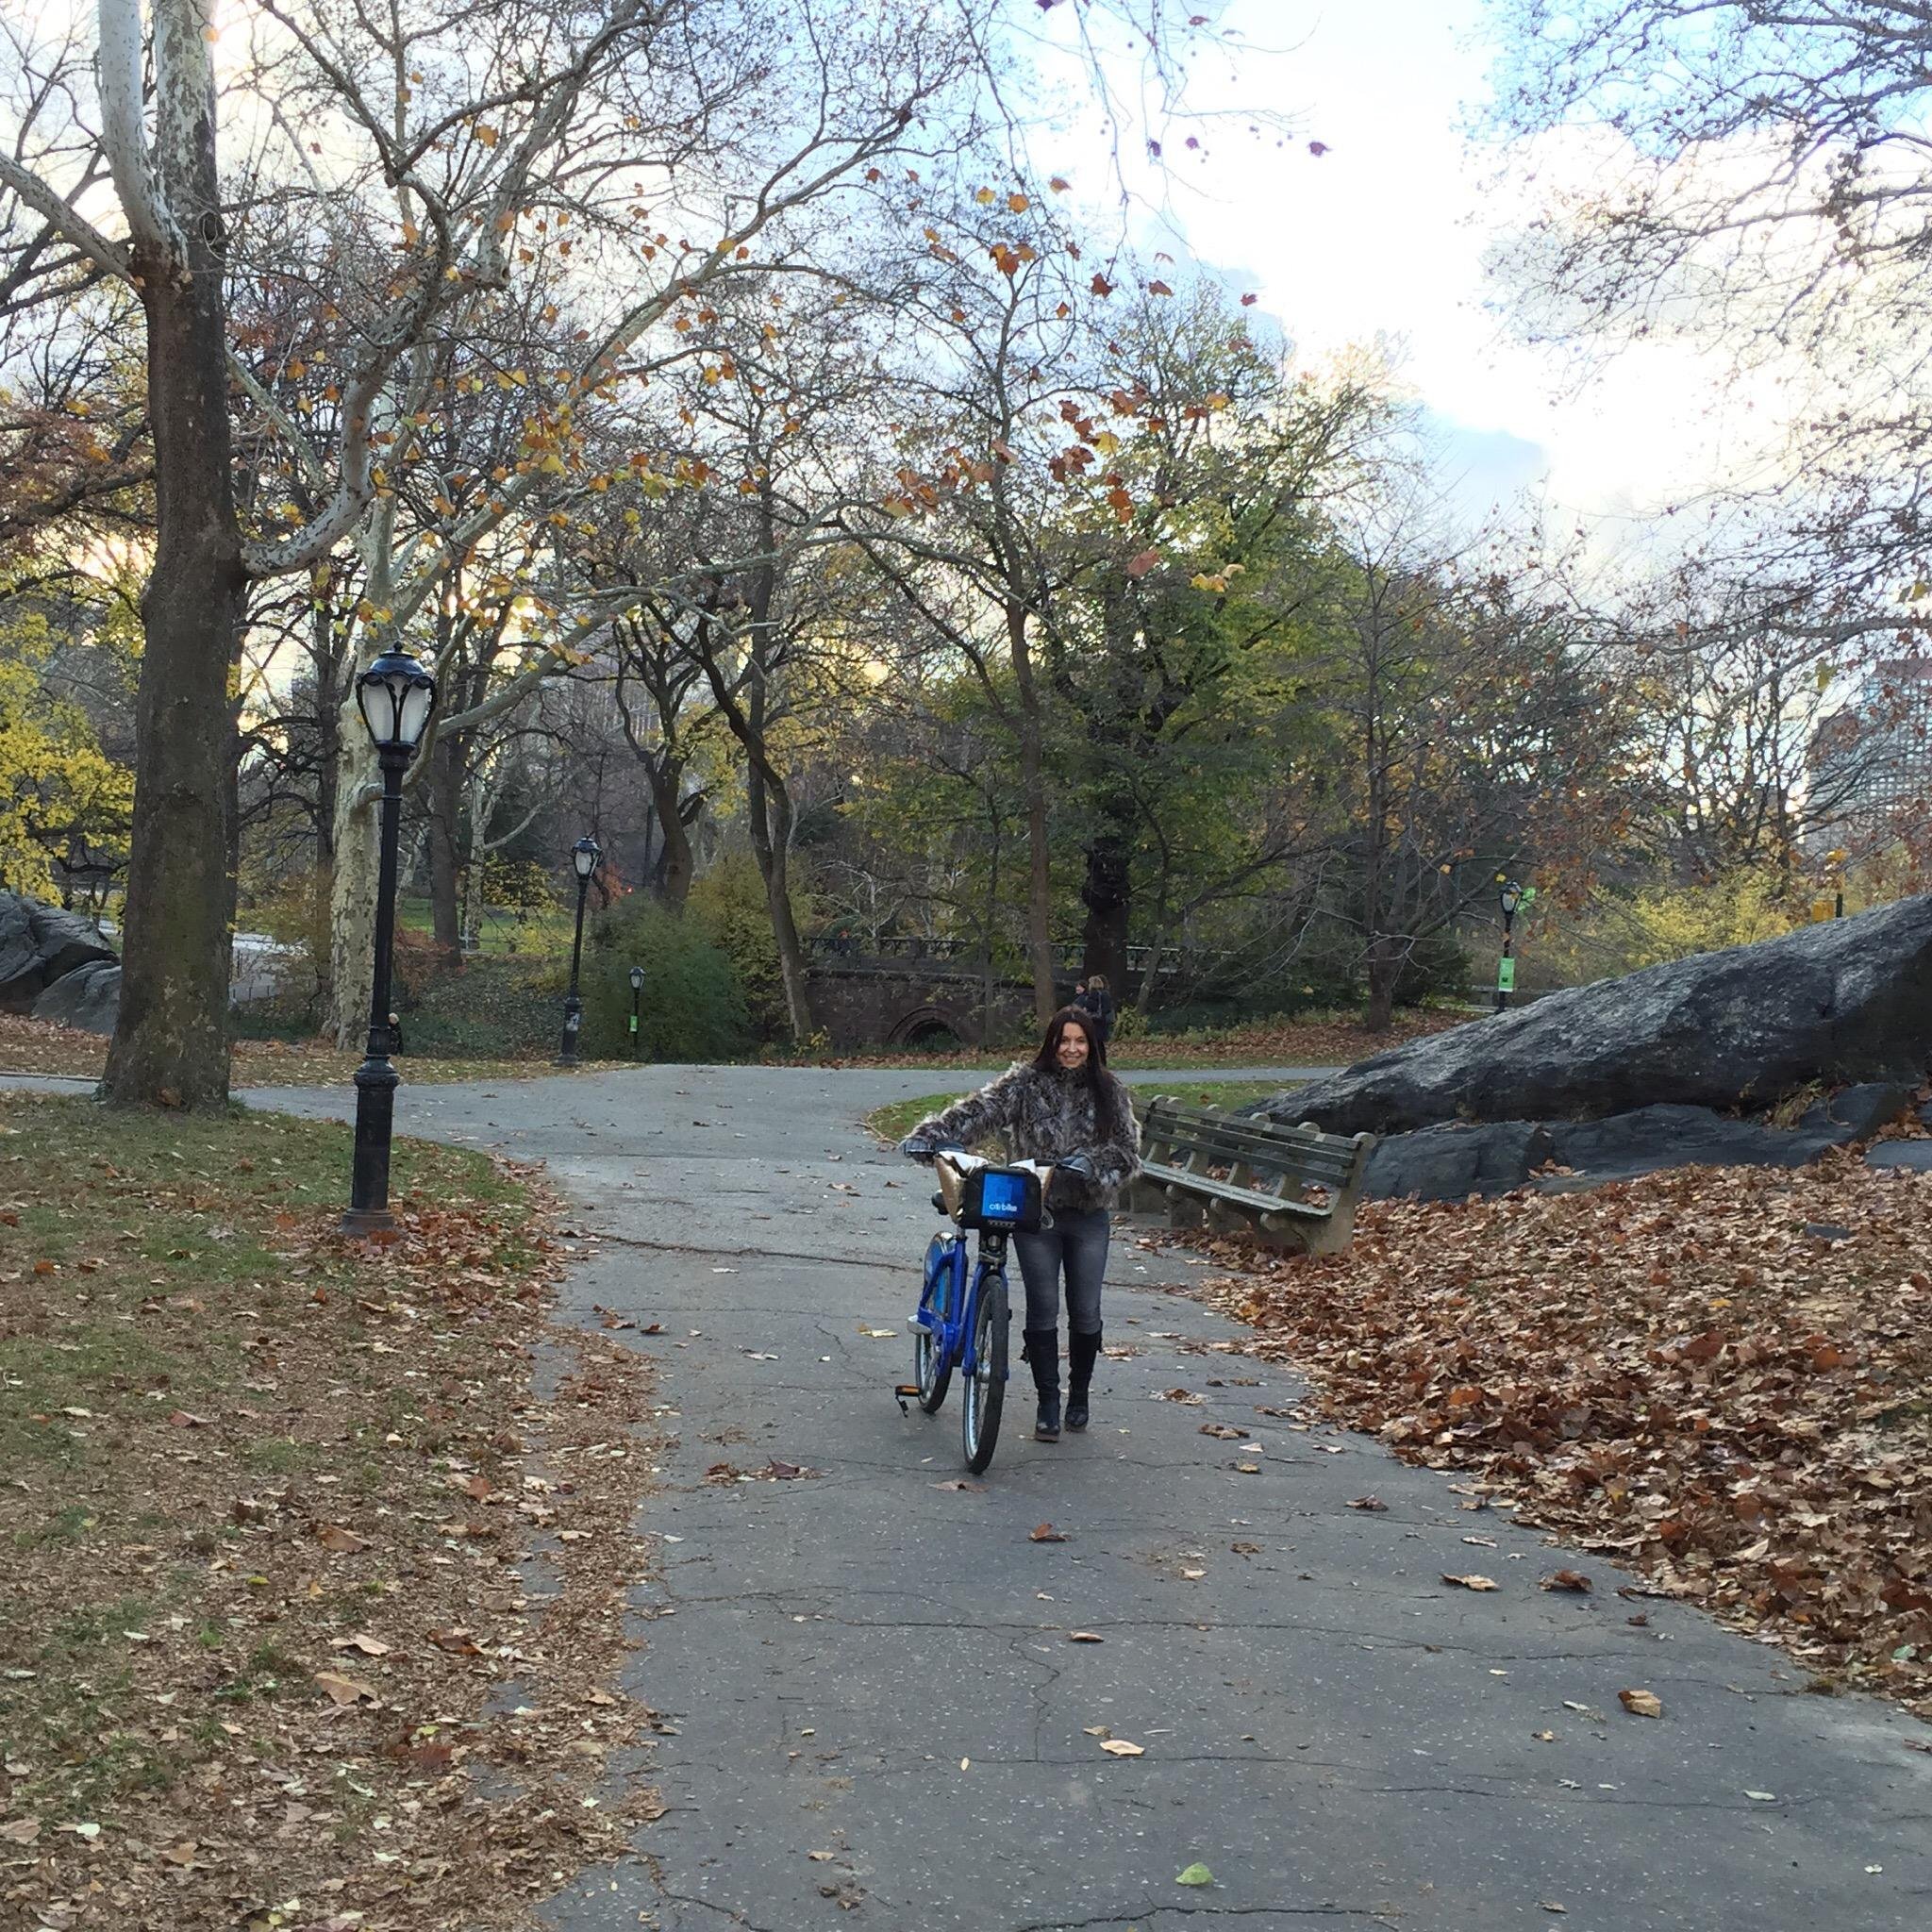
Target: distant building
1871,763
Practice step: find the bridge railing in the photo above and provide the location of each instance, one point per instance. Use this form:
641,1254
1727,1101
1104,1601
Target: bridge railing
911,948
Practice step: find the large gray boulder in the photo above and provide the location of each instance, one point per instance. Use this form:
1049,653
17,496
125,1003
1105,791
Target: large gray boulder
1849,999
1452,1160
89,997
39,945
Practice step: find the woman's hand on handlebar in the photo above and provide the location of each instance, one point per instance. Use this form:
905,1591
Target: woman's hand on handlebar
923,1147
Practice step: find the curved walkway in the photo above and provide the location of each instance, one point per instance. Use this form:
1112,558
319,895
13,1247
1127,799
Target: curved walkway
870,1694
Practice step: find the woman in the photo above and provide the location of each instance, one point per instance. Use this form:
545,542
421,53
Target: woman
1093,998
1060,1107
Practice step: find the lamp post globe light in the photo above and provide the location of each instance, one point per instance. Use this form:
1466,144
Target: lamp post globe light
636,994
584,855
395,696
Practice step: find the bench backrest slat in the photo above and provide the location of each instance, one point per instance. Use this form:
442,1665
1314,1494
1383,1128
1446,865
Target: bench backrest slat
1258,1153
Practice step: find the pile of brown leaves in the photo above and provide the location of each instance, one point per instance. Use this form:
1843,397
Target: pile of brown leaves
315,1614
1724,1377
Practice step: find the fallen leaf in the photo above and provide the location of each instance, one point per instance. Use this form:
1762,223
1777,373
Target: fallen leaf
367,1645
1119,1747
1222,1432
342,1689
1194,1874
1572,1580
1084,1637
344,1542
1045,1532
1640,1703
1469,1582
1370,1503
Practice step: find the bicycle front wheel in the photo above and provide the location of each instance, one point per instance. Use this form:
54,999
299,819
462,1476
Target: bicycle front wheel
984,1393
932,1366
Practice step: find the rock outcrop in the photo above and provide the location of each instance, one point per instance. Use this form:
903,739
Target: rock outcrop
38,945
89,997
1451,1161
1846,1000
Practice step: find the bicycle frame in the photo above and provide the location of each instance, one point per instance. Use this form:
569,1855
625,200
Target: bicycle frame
949,1309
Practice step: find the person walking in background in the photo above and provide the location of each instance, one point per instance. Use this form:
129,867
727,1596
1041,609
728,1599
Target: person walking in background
1093,998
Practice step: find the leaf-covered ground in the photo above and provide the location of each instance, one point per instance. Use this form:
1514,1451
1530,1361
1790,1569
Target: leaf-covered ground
1323,1041
35,1046
1722,1378
314,1608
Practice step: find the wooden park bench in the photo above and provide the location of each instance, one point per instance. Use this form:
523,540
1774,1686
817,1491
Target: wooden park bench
1294,1187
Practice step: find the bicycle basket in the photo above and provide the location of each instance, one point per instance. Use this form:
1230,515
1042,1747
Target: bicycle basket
1008,1198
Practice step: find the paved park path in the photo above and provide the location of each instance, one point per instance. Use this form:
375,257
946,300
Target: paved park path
873,1666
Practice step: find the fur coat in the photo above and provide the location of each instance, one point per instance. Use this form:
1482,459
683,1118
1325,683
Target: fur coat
1045,1117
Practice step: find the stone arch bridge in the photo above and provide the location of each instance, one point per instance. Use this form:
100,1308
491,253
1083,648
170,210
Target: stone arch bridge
915,993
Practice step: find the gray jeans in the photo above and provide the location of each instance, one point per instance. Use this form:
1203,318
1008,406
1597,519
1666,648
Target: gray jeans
1076,1242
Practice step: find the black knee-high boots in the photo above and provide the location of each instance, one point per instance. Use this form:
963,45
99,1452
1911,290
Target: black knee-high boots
1043,1351
1083,1351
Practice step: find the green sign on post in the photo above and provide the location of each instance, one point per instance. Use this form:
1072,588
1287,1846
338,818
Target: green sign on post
1506,975
633,1022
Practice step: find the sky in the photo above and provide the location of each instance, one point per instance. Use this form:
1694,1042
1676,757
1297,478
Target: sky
1382,238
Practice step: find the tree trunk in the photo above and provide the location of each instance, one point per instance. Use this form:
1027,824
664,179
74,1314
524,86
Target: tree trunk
479,857
674,861
445,804
1106,893
1385,968
353,882
1033,789
771,839
327,705
171,1036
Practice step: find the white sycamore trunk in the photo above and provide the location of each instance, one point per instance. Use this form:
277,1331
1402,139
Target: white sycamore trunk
352,890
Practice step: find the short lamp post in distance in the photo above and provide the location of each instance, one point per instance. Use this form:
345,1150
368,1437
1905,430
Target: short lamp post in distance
1509,895
637,996
584,855
395,696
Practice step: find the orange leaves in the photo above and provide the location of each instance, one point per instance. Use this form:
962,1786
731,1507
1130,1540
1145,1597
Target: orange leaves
1100,285
1562,1348
1141,562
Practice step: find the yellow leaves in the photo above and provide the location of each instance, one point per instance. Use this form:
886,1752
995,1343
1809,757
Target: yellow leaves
1018,204
984,196
485,135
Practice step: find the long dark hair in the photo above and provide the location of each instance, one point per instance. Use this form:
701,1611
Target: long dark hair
1098,1081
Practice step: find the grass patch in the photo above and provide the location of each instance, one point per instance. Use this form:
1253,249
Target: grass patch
264,1495
895,1121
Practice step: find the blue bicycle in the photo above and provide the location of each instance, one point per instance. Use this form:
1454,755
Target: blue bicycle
961,1322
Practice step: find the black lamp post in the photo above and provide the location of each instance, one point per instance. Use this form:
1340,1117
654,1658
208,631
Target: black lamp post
584,856
636,994
395,696
1509,895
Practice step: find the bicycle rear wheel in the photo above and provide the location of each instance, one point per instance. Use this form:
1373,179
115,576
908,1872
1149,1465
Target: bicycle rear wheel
932,1366
984,1393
